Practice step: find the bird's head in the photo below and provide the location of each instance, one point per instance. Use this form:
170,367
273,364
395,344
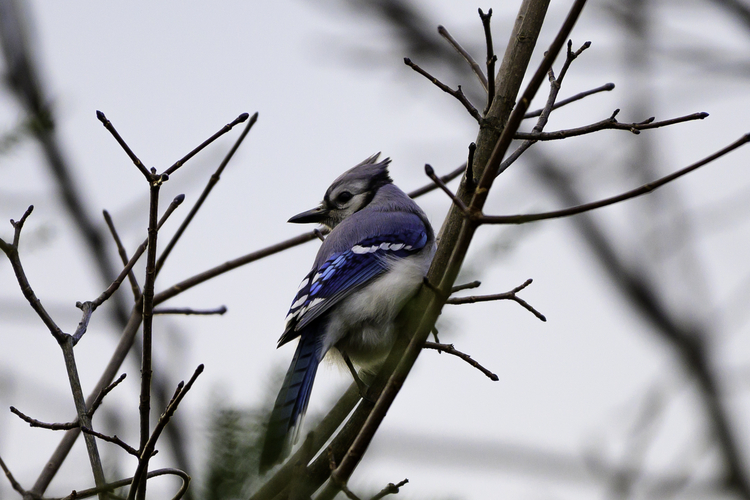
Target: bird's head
350,193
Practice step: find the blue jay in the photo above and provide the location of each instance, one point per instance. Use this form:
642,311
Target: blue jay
372,262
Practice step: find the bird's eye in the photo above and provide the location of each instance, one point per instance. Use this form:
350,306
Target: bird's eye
344,196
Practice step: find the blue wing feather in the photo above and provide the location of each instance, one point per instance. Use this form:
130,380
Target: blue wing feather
345,271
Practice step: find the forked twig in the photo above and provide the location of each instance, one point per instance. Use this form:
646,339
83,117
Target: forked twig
586,207
449,349
458,93
511,295
467,57
607,124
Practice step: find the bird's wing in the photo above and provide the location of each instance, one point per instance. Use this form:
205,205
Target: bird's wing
346,271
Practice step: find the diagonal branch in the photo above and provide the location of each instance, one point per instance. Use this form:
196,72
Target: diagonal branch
226,128
607,124
213,180
112,130
491,57
449,349
646,188
511,295
467,57
458,94
604,88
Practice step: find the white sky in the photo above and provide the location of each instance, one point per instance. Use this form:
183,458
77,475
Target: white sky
331,90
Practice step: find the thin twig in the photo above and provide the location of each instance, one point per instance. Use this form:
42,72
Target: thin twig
11,251
212,181
432,186
44,425
106,294
319,234
111,439
188,311
144,407
125,482
511,295
467,57
491,57
100,397
646,188
67,425
604,88
123,255
471,183
448,348
466,286
15,484
554,89
111,128
226,128
148,449
80,403
391,489
609,123
89,307
460,204
458,94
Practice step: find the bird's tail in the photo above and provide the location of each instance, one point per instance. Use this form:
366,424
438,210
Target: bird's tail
291,403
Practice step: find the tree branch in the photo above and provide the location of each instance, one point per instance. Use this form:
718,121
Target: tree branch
604,88
609,123
646,188
458,93
511,295
448,348
467,57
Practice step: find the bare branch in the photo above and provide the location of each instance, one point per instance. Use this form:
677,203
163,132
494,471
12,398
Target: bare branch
432,186
511,295
491,57
212,181
604,88
391,489
226,128
100,397
11,251
75,495
646,188
458,94
148,449
448,348
123,255
44,425
68,425
460,204
466,286
111,439
144,407
554,89
15,484
467,57
187,311
111,128
609,123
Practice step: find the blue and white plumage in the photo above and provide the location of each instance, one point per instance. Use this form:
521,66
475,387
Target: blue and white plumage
373,261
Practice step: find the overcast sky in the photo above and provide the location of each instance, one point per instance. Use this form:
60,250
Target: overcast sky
331,89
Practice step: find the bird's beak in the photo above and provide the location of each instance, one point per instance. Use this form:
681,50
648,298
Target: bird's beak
317,214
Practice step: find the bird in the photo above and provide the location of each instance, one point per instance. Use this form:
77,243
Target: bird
372,262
